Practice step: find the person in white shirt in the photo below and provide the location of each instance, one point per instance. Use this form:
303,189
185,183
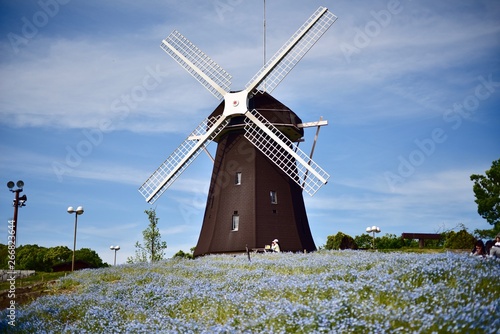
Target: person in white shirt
275,246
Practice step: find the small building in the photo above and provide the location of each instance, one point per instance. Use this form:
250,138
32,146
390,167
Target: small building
66,266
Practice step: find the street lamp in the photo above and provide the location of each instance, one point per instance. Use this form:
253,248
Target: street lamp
115,248
19,201
78,211
373,229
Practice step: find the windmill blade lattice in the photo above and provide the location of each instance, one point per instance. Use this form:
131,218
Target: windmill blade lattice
260,132
278,148
198,64
277,68
181,158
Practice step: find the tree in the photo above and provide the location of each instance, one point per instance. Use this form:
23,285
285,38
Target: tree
487,192
340,241
90,256
459,240
32,257
364,241
39,258
4,253
57,255
153,248
389,241
183,255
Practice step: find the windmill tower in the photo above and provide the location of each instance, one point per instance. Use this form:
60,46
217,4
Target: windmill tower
259,172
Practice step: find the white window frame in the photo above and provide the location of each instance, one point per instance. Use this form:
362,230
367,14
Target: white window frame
274,197
235,224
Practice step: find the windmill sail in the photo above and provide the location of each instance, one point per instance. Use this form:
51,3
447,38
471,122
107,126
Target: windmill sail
181,158
276,69
257,159
278,148
198,64
260,132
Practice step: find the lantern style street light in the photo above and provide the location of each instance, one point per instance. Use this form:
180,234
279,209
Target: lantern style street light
78,211
115,248
373,230
19,201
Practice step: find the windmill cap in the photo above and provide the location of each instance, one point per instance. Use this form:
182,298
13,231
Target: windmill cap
275,240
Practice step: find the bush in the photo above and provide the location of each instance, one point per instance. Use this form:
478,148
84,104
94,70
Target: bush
39,258
389,241
459,240
364,241
183,255
340,241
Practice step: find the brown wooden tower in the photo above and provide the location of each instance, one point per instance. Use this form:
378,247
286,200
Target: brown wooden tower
251,201
259,172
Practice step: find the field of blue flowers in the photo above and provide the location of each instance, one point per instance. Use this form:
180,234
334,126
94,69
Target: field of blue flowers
321,292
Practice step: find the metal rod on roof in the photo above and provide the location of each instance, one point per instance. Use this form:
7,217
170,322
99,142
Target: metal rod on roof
312,149
264,39
209,155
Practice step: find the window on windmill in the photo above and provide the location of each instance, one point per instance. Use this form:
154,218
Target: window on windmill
274,197
236,221
237,179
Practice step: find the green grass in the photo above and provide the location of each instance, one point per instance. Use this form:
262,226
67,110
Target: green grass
37,278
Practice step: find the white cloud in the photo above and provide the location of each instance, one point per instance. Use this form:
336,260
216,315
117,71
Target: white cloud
76,83
394,90
426,202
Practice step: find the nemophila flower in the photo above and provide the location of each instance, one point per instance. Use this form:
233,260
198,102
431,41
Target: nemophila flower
323,292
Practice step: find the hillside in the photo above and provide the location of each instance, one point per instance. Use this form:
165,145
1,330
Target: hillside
322,292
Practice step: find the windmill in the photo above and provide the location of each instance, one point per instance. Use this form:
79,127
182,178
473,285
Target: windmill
259,172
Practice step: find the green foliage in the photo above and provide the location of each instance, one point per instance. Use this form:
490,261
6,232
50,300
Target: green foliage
389,241
4,252
435,243
330,242
58,254
410,243
67,284
450,240
153,248
38,278
183,255
39,258
333,241
90,256
141,254
459,240
32,257
487,192
340,241
486,233
364,241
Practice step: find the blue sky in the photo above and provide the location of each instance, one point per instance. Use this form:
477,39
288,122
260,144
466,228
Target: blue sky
90,106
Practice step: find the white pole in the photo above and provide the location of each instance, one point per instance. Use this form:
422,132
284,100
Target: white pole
264,39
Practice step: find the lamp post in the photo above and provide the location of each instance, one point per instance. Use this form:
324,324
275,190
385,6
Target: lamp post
115,248
78,211
19,201
373,230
